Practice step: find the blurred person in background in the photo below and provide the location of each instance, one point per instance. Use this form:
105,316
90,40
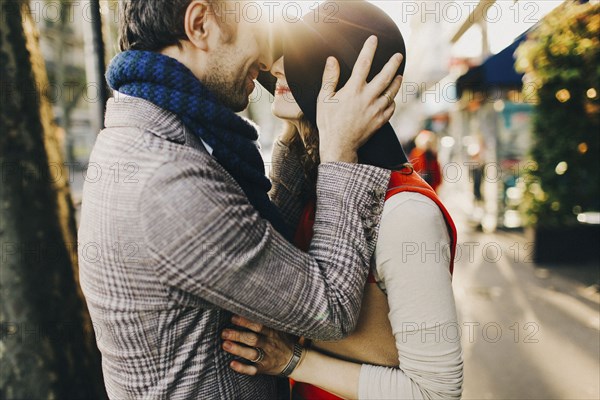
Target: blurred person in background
424,159
395,352
475,151
179,231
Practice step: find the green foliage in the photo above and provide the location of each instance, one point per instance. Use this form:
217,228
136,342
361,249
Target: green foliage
562,58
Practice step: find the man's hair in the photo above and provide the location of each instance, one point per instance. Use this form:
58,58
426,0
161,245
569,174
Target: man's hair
152,24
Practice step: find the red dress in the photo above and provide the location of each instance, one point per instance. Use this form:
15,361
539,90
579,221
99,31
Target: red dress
400,181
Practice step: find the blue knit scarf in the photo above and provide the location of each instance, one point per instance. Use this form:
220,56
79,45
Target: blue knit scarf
171,86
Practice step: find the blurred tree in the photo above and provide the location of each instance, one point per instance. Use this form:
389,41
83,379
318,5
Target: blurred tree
60,72
111,26
47,347
99,52
561,59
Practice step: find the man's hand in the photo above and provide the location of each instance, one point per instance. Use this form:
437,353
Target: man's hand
276,347
348,118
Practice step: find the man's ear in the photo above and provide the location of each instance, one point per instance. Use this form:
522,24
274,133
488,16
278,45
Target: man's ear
196,23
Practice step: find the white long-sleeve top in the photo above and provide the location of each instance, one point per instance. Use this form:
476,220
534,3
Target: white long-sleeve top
412,264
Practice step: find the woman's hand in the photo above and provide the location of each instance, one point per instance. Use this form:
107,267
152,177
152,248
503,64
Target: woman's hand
276,346
348,118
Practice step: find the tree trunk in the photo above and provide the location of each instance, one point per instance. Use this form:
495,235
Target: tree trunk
47,344
99,52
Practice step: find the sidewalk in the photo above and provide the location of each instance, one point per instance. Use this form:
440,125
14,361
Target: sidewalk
529,331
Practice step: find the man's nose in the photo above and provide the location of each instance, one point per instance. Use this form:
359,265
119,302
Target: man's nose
266,60
271,46
265,63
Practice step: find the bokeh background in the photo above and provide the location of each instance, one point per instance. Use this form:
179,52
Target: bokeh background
500,103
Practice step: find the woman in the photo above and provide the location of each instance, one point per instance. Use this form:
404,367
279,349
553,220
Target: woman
407,342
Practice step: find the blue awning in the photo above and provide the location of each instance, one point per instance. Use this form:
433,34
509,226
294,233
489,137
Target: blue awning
498,71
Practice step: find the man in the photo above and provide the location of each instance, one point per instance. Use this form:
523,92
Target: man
178,232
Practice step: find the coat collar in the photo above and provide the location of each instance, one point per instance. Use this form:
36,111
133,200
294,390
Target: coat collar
128,111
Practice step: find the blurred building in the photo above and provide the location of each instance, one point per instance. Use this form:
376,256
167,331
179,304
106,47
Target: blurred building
460,83
493,112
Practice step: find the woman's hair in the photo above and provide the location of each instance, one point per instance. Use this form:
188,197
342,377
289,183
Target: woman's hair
307,141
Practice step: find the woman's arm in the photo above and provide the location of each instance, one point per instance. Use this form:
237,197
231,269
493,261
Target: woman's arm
412,259
345,379
331,374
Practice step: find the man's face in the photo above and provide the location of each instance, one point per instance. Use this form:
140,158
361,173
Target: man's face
236,61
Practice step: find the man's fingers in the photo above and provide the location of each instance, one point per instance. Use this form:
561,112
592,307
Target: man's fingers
388,96
246,323
331,77
386,76
363,63
384,116
395,86
243,368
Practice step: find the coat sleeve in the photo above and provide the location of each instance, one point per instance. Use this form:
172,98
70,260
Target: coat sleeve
205,239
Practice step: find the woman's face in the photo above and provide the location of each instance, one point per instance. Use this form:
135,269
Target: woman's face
284,106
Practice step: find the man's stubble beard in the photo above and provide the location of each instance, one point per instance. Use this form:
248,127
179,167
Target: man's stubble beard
225,85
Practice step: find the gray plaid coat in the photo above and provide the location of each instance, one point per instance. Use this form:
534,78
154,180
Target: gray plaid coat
169,248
